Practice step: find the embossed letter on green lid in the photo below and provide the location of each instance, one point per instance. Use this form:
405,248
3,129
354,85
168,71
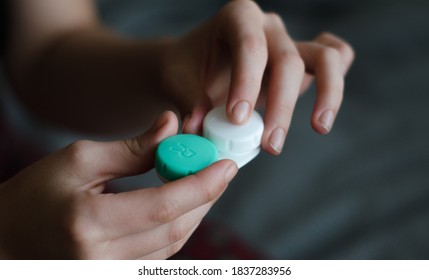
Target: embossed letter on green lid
182,155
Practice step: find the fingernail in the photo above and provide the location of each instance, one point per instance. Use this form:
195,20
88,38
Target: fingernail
277,139
241,111
326,120
230,172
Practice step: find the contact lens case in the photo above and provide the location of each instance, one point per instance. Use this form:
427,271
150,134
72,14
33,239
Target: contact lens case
184,154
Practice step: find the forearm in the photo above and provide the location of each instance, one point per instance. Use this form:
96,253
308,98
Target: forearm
94,80
67,68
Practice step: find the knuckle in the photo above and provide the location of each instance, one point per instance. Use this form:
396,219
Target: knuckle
246,4
82,232
78,153
292,59
285,109
347,52
176,232
248,84
255,45
297,62
208,191
275,19
135,145
328,54
325,36
164,213
242,7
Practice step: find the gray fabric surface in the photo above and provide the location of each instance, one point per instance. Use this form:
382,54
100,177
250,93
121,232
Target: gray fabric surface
363,191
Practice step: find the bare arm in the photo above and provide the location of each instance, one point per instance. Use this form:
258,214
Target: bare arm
72,70
67,68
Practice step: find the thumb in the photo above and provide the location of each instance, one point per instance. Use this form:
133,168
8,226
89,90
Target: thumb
108,160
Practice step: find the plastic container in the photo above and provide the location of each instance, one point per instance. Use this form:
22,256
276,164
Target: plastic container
182,155
185,154
240,143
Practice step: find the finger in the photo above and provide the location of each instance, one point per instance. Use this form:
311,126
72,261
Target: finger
246,41
147,242
193,123
306,83
98,162
170,250
286,75
135,211
326,65
344,49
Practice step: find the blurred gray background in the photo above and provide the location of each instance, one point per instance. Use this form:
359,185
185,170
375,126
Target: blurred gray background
363,191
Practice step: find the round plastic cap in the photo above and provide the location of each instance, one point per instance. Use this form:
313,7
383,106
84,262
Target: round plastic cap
240,143
182,155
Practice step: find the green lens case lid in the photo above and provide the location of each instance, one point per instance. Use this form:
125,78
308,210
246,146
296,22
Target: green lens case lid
184,154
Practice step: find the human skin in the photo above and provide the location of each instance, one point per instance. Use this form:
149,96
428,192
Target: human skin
67,68
57,207
62,60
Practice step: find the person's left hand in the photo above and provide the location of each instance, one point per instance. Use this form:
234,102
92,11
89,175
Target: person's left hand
56,208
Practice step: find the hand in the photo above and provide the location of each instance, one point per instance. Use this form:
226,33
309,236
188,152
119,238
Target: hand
56,208
242,52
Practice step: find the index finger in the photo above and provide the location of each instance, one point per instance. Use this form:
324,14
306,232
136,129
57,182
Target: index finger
245,37
136,211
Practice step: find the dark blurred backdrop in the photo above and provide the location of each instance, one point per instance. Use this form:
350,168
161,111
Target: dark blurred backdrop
362,192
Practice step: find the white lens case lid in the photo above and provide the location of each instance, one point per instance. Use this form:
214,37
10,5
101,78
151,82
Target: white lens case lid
240,143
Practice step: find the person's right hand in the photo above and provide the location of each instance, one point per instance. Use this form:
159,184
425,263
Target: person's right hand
243,56
56,208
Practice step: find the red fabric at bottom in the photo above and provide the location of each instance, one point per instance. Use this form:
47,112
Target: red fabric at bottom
213,241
